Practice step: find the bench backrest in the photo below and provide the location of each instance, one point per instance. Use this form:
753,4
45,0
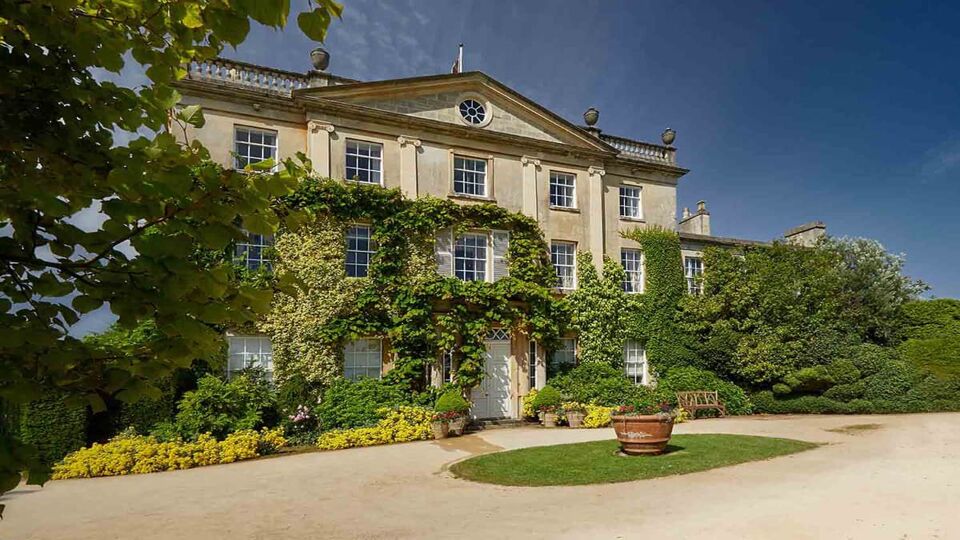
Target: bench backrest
701,398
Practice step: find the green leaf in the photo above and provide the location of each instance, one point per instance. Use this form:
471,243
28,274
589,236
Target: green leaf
192,115
86,304
314,23
192,18
269,12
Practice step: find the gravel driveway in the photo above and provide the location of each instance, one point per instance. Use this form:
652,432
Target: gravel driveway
898,477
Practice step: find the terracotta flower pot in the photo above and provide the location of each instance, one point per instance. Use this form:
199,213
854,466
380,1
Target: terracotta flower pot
644,434
574,419
457,425
440,429
549,419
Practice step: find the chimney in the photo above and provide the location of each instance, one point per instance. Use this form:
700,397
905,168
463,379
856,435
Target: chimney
806,235
698,223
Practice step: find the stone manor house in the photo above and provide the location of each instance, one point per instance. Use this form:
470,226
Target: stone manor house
469,138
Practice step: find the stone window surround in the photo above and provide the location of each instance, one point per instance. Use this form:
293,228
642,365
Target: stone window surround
622,217
576,191
479,99
353,137
472,154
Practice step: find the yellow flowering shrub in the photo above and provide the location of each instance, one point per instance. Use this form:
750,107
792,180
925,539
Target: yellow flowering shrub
682,415
401,424
527,408
597,416
129,453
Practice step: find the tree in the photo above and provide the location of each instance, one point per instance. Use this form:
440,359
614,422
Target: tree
163,202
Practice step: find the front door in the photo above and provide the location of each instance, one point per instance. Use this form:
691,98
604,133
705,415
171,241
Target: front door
491,398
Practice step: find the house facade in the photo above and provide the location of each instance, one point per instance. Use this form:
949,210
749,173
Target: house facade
470,139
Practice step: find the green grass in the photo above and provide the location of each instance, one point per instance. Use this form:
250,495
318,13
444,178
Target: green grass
599,462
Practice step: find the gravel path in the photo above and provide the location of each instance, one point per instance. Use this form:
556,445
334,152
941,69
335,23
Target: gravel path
898,477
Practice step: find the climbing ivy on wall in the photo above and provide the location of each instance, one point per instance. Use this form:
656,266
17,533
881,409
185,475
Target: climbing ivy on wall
404,299
605,316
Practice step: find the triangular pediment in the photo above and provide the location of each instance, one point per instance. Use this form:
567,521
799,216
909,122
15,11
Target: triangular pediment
439,98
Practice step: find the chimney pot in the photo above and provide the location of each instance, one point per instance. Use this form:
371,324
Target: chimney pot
701,206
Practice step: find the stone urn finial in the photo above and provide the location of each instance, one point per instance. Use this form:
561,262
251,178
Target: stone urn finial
591,116
320,59
668,136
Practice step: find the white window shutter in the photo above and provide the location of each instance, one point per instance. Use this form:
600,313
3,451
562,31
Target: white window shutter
501,244
444,252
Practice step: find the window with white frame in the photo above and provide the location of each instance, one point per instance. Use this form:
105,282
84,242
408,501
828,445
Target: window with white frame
253,145
693,269
362,358
446,367
252,252
635,362
632,261
630,205
563,255
470,257
469,176
563,190
364,162
532,364
360,250
249,352
565,354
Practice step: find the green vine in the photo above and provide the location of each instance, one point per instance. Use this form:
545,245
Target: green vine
420,312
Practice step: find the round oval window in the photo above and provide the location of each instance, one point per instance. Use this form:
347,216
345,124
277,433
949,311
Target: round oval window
473,111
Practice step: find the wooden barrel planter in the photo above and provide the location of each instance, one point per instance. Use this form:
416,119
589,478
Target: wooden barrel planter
641,435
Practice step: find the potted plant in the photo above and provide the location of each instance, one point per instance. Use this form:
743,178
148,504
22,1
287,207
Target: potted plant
643,429
574,412
440,424
452,402
547,402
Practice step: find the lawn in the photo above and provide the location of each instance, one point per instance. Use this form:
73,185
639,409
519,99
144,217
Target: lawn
599,462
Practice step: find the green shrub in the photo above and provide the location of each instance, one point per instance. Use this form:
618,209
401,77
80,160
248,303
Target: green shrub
597,384
869,358
938,355
54,428
547,398
892,382
220,408
766,402
814,379
843,371
782,389
349,404
452,401
847,392
685,379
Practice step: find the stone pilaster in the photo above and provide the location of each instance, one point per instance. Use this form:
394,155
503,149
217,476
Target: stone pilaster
595,219
409,148
531,204
318,146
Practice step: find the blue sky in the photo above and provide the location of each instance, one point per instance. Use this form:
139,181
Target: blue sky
847,112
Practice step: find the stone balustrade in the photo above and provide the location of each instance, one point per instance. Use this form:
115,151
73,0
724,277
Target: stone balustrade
641,150
242,74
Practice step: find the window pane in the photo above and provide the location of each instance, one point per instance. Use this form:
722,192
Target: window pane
469,176
251,253
363,162
563,257
253,145
470,257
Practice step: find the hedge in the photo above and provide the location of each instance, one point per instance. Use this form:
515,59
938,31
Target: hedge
53,428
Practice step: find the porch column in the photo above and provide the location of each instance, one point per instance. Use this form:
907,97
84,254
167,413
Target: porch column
530,203
318,146
596,217
409,148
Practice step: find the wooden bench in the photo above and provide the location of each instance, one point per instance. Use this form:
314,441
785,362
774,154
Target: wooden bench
700,401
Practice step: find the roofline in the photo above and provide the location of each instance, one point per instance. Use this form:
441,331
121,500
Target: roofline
720,240
359,88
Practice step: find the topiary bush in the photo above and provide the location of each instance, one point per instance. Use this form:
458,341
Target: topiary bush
596,383
54,428
452,401
349,404
220,408
847,392
892,382
814,379
547,398
684,379
843,371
